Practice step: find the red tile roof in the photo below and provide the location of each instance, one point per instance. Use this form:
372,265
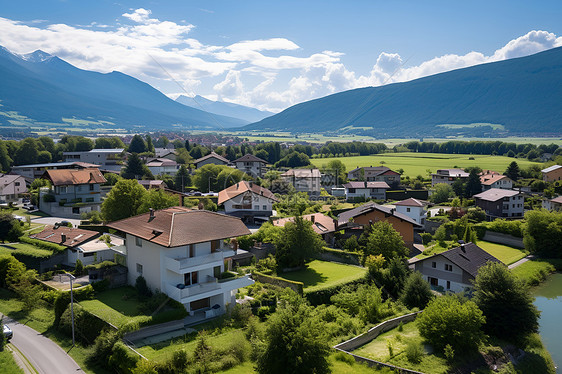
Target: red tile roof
67,177
179,226
241,187
411,202
322,224
488,180
73,237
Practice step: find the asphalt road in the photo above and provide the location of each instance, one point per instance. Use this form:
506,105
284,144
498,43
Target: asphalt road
45,355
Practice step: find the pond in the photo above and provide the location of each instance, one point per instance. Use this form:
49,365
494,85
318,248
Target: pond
549,301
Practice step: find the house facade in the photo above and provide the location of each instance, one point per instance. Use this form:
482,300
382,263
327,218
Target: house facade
413,208
499,203
553,204
448,176
73,192
34,171
366,190
211,158
107,159
181,253
369,213
156,183
374,174
161,166
11,188
304,180
455,269
251,165
552,174
496,181
248,201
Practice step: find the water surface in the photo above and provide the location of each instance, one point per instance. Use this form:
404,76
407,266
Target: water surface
549,301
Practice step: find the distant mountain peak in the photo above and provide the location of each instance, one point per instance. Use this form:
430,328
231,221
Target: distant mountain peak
37,56
224,108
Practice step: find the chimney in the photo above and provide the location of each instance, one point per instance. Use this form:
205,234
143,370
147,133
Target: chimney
62,238
313,218
392,211
251,184
335,224
151,212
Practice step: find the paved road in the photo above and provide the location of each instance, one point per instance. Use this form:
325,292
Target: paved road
53,220
45,355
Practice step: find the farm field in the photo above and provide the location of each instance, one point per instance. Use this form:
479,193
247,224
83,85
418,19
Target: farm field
320,274
415,164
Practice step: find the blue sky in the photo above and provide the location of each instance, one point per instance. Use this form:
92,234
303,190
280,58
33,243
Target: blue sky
272,55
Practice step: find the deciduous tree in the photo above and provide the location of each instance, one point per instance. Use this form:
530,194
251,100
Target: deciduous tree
416,293
384,240
297,243
123,200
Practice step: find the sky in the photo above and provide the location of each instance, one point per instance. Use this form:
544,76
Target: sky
272,55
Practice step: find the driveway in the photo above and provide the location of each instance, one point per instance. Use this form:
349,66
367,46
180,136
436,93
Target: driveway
53,220
44,354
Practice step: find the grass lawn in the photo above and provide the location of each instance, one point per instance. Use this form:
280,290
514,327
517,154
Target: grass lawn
378,350
117,306
8,364
506,254
25,249
41,319
320,274
415,164
535,271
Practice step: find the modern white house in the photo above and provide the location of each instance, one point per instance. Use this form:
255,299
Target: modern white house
181,252
413,208
304,180
11,188
72,192
248,201
366,190
448,176
500,203
161,166
107,159
455,269
34,171
495,181
554,204
251,165
211,158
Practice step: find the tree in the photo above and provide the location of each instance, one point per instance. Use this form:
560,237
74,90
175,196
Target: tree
473,185
441,193
384,240
157,199
543,233
294,343
297,243
149,145
446,320
135,169
10,228
513,172
505,301
27,152
182,179
5,160
336,167
293,160
416,293
123,200
137,144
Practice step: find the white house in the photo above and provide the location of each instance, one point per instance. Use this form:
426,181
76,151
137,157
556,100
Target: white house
107,159
304,180
11,188
161,166
413,208
211,158
366,190
251,165
247,200
34,171
448,176
500,203
495,181
553,204
181,252
455,269
73,192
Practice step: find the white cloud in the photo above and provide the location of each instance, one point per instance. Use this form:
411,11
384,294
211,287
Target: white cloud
268,74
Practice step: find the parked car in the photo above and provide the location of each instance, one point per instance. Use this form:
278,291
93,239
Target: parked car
8,333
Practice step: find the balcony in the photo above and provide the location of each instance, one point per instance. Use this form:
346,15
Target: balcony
196,291
179,265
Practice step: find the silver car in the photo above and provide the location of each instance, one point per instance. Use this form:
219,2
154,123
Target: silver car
8,333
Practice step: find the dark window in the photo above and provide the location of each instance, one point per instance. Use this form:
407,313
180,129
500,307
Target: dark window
217,271
192,250
433,264
448,267
139,268
433,281
448,285
91,187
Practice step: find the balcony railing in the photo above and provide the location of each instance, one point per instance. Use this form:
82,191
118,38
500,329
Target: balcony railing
179,264
211,284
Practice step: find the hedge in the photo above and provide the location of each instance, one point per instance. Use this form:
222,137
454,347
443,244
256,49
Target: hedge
514,227
345,257
42,244
323,295
281,282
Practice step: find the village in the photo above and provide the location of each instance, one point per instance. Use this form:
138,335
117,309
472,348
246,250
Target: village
171,256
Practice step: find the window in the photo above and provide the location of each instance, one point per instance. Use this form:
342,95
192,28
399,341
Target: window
448,267
139,268
138,242
265,207
91,187
434,281
407,209
88,254
215,244
17,183
76,210
62,189
192,250
352,190
256,207
433,264
217,271
448,285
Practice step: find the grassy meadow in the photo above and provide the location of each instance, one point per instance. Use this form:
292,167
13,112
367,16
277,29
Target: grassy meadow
320,274
415,164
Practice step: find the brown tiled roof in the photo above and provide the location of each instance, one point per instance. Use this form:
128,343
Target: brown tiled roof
495,194
66,177
322,223
157,162
179,226
241,187
152,183
366,185
302,173
411,202
369,207
213,155
488,179
250,158
74,237
557,200
468,257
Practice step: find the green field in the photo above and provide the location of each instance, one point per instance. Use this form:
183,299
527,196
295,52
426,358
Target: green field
415,164
320,274
25,249
506,254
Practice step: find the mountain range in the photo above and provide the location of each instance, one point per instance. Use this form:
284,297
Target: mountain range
225,109
520,96
41,88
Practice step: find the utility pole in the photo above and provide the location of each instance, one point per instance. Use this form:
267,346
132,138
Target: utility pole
71,277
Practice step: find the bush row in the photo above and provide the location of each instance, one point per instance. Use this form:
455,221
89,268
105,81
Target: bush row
323,295
330,254
283,283
42,244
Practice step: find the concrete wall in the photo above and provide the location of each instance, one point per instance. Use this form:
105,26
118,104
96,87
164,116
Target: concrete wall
497,237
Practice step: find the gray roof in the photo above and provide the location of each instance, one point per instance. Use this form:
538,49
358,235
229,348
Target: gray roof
366,208
551,168
469,257
212,155
366,185
495,194
250,158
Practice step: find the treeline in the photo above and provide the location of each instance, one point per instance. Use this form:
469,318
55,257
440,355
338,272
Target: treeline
477,147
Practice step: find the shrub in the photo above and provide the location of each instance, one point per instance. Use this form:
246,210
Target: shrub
414,352
426,238
87,327
344,357
142,287
449,353
101,285
42,244
180,360
79,268
122,359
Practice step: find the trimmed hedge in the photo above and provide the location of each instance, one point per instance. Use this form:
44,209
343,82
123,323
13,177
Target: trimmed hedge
280,282
42,244
352,258
513,227
323,295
